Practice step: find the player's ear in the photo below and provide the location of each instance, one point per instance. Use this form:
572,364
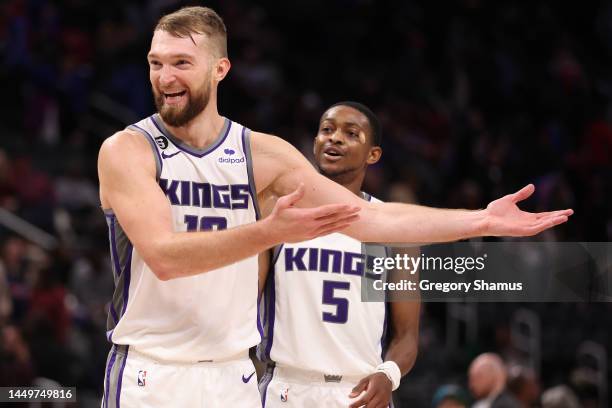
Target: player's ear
374,155
221,69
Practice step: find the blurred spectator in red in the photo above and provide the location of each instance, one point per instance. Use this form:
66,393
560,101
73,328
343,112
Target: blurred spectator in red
48,300
523,383
16,368
8,190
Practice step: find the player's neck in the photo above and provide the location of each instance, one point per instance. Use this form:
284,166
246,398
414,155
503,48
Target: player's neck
353,182
203,130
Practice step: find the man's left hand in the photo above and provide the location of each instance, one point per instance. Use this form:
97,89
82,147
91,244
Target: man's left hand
377,393
504,218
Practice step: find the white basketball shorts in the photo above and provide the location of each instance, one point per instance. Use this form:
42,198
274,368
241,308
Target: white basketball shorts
134,380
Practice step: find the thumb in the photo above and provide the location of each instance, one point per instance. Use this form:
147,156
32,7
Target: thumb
359,388
523,193
290,199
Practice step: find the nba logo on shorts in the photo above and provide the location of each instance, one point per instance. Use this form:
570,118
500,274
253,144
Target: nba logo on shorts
284,394
142,376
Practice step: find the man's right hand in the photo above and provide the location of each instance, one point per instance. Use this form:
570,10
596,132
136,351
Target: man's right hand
288,223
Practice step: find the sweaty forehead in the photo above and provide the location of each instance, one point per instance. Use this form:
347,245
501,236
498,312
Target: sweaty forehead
166,44
342,115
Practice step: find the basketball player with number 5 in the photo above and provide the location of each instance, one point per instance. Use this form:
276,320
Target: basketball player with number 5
324,346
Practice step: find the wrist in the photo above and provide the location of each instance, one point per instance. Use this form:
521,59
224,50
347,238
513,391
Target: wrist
265,233
392,371
481,223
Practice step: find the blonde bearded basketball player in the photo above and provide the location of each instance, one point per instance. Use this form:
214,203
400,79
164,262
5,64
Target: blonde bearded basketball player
323,344
180,192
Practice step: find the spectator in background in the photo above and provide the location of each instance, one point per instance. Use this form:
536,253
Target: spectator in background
560,396
16,367
8,190
449,396
487,380
6,302
523,383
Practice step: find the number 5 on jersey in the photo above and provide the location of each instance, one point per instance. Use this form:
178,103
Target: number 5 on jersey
330,298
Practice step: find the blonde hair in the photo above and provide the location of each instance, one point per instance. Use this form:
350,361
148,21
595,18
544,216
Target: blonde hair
196,20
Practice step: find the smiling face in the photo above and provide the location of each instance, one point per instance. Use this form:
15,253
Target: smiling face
343,146
180,70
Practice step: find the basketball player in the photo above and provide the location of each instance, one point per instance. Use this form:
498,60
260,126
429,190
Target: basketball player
184,311
324,344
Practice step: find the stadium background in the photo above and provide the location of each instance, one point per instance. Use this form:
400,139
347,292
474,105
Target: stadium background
476,99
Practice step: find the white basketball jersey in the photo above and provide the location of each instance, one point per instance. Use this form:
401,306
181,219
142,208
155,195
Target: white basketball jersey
211,316
313,315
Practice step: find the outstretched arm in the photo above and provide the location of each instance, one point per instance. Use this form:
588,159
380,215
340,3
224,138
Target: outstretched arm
126,169
279,167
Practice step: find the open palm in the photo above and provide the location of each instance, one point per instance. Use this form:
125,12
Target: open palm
504,218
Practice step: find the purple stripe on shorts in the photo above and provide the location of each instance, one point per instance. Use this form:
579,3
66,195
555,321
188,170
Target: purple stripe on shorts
111,362
121,376
264,386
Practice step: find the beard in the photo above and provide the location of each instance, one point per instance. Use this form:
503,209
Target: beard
177,116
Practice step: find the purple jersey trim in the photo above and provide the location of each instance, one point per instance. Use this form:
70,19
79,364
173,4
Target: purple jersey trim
113,313
159,162
246,148
271,317
128,274
117,267
193,151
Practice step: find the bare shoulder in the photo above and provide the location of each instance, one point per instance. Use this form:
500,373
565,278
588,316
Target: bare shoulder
266,147
273,157
263,143
124,156
124,142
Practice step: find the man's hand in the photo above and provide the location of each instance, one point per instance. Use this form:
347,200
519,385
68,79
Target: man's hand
504,218
377,394
288,223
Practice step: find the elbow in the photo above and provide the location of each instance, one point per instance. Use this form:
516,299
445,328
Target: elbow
161,268
166,266
159,256
160,262
163,275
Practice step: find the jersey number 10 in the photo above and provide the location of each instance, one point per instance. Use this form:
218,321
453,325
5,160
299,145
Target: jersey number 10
205,224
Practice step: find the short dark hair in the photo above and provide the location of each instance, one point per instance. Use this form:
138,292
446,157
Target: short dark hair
372,119
196,20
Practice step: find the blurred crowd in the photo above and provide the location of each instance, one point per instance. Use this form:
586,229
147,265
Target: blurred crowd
476,99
